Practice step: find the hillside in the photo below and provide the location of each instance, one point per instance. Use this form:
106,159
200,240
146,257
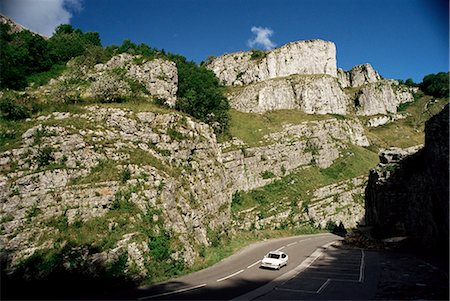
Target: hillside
129,164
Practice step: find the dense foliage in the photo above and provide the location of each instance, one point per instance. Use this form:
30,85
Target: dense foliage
199,94
26,57
24,54
436,84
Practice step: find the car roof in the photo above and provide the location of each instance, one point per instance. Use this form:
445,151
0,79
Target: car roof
276,252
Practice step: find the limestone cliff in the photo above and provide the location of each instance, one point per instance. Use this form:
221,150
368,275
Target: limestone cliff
131,175
358,76
123,76
408,193
312,94
303,76
302,57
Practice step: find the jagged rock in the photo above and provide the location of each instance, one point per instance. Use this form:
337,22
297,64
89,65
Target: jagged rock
382,120
408,194
177,168
359,75
381,97
340,203
312,94
295,146
302,57
396,154
160,77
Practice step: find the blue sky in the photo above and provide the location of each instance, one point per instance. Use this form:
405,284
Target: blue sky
400,38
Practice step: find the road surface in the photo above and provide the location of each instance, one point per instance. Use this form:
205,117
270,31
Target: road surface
239,274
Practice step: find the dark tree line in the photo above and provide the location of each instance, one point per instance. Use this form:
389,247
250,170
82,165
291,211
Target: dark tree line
25,55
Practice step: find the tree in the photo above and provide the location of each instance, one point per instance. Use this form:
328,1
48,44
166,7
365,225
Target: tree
21,54
67,43
436,84
199,94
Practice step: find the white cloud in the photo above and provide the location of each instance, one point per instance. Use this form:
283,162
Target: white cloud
41,16
262,38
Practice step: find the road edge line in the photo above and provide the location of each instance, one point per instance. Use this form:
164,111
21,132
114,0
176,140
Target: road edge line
285,277
173,292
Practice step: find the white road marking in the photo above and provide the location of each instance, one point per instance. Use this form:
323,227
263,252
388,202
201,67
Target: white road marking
361,268
173,292
253,264
291,244
323,286
229,276
279,249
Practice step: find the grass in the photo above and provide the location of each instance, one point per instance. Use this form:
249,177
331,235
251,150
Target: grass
252,127
296,186
410,131
105,170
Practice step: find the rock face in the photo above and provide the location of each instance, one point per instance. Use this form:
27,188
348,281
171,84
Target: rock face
338,204
381,97
312,94
159,77
303,57
319,142
117,170
408,195
123,76
358,76
303,76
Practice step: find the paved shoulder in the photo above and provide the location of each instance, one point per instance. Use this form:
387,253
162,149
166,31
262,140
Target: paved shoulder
329,273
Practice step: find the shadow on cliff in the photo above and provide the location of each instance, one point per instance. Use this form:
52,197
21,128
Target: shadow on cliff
55,276
411,198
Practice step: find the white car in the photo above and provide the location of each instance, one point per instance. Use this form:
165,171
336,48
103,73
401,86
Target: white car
274,260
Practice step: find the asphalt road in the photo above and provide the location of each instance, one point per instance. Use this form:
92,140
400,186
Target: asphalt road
240,274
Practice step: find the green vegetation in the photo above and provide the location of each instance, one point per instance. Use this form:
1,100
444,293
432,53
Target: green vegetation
23,55
297,185
28,58
252,133
436,85
258,55
200,96
409,131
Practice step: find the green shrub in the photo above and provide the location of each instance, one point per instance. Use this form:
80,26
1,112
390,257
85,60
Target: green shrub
45,156
258,54
236,200
199,94
159,246
125,175
11,110
436,84
267,175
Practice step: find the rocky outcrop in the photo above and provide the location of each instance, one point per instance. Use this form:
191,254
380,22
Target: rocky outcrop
114,169
124,76
336,204
302,57
408,194
381,97
312,94
15,27
317,143
303,76
359,75
158,76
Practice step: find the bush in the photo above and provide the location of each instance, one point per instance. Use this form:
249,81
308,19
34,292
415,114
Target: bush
436,84
199,94
11,110
45,156
68,43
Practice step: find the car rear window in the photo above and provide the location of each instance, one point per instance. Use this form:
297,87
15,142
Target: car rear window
275,256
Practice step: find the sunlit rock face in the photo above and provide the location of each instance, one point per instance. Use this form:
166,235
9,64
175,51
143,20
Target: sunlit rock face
302,57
